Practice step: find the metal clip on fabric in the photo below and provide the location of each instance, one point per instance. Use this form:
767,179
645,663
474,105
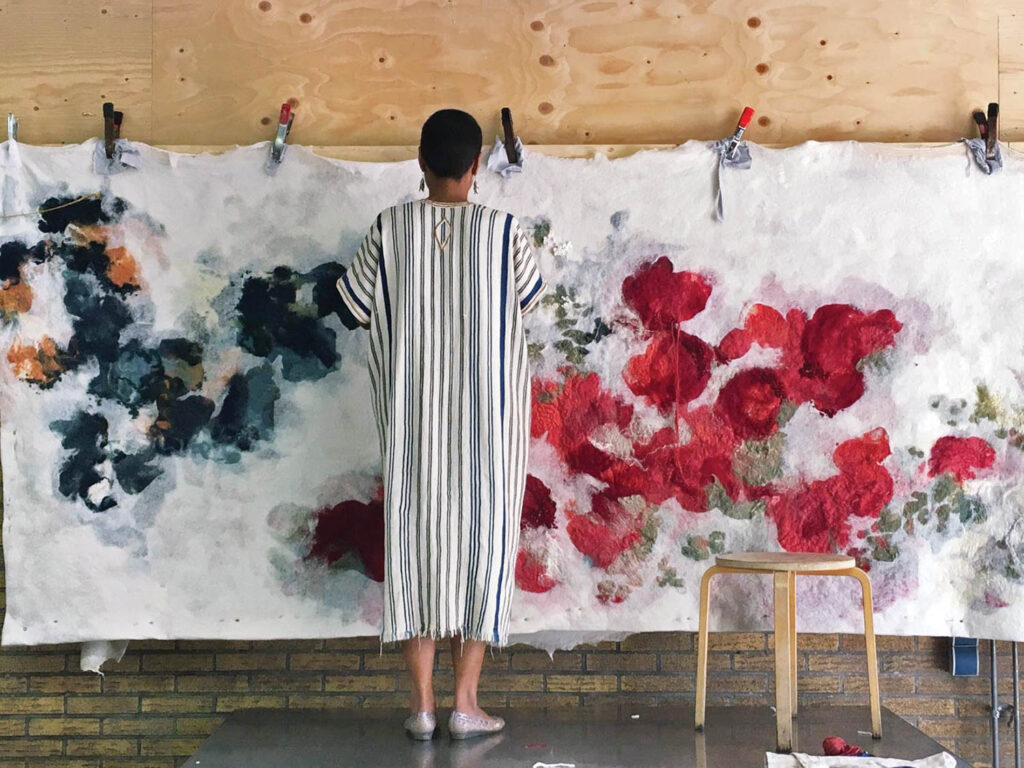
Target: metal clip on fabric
12,127
732,153
507,154
985,150
108,129
280,145
510,136
114,154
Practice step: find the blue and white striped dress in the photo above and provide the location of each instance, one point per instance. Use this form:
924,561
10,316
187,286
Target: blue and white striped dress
443,288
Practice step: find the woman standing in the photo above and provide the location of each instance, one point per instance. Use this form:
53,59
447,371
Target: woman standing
443,283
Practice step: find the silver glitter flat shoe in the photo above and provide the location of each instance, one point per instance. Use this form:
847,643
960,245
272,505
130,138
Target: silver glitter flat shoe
463,726
421,725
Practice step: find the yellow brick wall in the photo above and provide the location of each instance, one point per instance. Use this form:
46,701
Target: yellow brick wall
154,708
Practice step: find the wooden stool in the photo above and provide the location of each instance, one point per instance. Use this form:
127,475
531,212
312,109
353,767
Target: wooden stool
785,566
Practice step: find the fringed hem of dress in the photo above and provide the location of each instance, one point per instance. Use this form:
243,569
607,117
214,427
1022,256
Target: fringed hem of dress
494,639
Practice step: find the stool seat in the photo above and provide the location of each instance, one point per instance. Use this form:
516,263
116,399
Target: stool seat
785,561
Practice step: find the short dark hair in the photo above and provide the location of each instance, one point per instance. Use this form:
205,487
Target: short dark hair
450,141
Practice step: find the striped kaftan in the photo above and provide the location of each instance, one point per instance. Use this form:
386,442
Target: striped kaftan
443,287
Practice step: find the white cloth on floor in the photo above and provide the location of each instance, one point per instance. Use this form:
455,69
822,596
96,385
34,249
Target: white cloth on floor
801,760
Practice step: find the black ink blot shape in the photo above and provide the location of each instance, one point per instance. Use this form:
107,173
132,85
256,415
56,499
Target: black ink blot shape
84,212
85,435
247,414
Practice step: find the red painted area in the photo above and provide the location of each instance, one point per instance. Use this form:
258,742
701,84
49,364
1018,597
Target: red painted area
673,370
664,298
603,541
568,412
750,402
355,527
993,600
834,341
819,358
684,471
815,517
960,457
817,362
531,575
538,506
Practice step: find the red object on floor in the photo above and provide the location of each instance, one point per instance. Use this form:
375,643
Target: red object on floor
835,746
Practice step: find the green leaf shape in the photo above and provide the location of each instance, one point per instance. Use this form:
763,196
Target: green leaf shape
884,551
889,521
701,548
987,407
758,462
540,232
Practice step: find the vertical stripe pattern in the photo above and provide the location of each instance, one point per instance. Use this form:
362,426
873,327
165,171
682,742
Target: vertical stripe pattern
443,288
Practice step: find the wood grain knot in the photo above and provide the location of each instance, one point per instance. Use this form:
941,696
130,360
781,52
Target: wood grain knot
761,68
537,26
753,22
545,107
546,61
305,18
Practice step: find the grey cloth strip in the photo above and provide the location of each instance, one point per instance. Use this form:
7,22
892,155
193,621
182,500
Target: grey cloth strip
740,158
498,162
976,150
125,156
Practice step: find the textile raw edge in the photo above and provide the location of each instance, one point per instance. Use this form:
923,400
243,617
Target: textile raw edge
801,760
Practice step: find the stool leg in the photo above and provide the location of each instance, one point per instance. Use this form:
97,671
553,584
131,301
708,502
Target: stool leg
869,643
702,648
792,637
783,695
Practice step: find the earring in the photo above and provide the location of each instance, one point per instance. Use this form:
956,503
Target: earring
475,190
423,183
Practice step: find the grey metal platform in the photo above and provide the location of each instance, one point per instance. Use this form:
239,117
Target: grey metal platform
589,737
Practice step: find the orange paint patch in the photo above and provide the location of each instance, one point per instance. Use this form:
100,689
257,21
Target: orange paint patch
123,269
90,233
15,297
39,365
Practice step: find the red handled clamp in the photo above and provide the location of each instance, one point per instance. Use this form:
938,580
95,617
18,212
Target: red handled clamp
734,140
284,127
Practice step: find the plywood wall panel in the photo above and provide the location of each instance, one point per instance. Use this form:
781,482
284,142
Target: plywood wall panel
369,72
61,59
573,71
1011,75
359,72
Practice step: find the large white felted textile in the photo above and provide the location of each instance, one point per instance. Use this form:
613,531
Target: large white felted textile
188,446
